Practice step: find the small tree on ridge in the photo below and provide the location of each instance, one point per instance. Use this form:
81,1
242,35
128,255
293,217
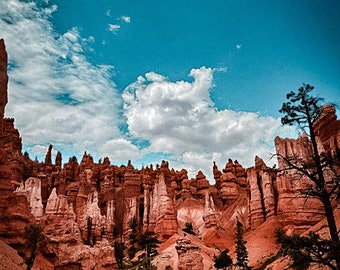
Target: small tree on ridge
241,250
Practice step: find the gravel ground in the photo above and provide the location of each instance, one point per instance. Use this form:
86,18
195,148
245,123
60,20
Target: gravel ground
9,258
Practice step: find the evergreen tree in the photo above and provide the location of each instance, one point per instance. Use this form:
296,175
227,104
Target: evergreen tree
119,249
90,240
303,109
223,260
189,228
149,243
35,241
241,250
133,236
305,250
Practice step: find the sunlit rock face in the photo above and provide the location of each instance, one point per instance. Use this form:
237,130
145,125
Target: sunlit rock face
263,191
85,206
32,190
231,182
163,210
295,211
189,256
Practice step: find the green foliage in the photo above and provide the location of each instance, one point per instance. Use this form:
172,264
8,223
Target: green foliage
133,237
301,108
119,249
35,242
149,243
223,260
305,250
241,250
189,228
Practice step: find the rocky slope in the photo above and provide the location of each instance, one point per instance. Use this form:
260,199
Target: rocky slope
84,206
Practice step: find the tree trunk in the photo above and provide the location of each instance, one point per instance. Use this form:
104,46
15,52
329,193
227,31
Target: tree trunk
331,224
330,218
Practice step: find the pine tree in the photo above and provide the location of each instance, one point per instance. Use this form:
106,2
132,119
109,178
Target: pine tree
223,260
35,241
133,236
303,110
241,250
304,250
149,243
189,228
119,249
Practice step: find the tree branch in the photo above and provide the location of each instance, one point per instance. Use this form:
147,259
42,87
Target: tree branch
293,166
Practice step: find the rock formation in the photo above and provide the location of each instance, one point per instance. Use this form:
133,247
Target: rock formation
31,189
3,82
189,256
14,209
84,207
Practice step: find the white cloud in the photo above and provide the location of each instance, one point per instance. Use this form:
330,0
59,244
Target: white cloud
120,150
180,118
108,13
126,19
154,77
238,46
113,28
55,94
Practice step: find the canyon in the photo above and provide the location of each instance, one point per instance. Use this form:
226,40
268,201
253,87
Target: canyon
83,207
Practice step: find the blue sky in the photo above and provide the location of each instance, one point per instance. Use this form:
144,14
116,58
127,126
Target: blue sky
187,81
282,44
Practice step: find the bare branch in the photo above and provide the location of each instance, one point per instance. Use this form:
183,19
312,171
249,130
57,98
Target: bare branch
299,169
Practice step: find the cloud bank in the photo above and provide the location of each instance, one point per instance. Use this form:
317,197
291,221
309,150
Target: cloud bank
180,118
57,96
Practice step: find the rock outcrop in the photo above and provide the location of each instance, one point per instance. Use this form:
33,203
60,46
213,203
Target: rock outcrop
14,209
3,82
263,190
189,256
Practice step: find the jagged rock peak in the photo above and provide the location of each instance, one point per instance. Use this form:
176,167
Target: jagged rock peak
259,163
200,175
48,157
3,82
58,159
165,164
106,161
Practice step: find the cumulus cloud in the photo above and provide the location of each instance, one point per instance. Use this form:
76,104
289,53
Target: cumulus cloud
181,119
113,28
120,150
55,94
